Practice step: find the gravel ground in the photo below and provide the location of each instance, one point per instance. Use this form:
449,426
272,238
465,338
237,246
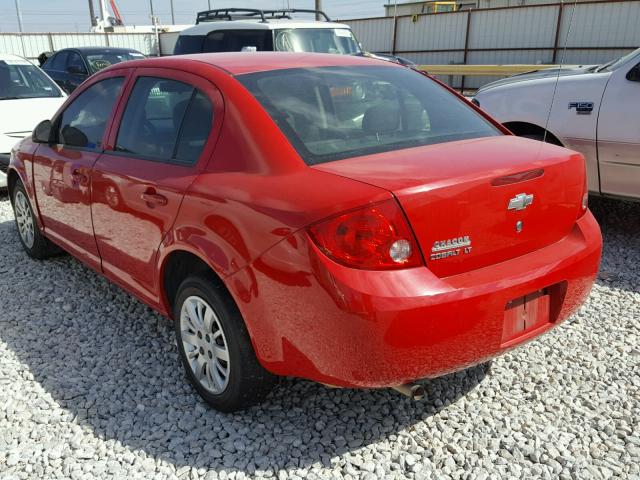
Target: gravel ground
90,387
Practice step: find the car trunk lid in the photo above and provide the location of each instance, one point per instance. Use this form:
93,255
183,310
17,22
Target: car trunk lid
478,202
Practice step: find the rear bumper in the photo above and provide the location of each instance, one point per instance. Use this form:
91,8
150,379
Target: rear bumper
356,328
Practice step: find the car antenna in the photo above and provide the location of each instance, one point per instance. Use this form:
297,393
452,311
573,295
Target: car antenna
555,86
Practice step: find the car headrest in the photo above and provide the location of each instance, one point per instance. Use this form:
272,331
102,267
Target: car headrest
381,119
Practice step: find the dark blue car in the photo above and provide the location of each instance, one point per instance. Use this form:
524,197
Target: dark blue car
72,66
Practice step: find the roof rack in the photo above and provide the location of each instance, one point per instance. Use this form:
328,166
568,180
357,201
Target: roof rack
253,13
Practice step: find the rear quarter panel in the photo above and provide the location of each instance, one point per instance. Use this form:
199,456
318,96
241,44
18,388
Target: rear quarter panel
255,191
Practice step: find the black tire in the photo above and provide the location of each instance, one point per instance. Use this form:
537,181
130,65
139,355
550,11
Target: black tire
40,247
248,383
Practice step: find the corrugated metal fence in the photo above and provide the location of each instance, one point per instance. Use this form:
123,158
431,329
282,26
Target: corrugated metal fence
30,45
594,32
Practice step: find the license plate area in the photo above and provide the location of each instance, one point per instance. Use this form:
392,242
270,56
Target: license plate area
526,314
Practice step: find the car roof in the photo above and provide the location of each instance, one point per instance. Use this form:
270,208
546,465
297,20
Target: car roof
206,27
90,50
10,56
239,63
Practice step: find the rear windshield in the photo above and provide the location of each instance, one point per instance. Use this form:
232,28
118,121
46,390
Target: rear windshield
334,113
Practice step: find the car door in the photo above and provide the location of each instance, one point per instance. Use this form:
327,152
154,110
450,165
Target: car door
62,168
164,136
76,70
619,134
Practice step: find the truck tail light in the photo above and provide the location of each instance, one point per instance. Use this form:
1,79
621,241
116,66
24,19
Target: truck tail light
585,198
376,237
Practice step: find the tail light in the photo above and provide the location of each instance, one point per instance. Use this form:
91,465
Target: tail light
376,237
585,198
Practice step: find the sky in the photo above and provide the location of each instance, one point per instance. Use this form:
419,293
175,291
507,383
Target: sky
73,15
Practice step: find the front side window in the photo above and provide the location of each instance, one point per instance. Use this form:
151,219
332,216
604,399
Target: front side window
75,64
165,120
58,61
83,123
341,112
21,79
316,40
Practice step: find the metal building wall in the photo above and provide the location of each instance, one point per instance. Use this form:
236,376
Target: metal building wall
531,34
431,32
376,32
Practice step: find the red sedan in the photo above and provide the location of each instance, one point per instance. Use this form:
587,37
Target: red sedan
341,219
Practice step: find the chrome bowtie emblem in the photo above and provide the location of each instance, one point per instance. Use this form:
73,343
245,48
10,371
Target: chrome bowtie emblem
520,201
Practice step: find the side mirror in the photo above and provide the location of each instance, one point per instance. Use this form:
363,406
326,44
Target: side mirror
42,132
634,74
76,70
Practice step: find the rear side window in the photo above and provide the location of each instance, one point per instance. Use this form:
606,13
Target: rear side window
165,120
83,122
58,62
188,44
236,40
195,129
341,112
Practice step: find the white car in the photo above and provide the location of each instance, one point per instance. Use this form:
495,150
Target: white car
27,96
595,110
247,29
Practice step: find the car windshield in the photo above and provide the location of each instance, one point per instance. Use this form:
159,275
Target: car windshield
614,64
317,40
21,79
334,113
98,61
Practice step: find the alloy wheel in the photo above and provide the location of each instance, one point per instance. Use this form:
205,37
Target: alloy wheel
26,227
204,344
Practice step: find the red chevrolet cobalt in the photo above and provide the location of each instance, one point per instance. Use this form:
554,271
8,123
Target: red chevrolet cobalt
335,218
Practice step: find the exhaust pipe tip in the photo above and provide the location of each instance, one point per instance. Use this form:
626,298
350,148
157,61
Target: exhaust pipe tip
414,391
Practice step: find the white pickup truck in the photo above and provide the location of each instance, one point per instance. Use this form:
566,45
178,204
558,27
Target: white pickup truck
595,110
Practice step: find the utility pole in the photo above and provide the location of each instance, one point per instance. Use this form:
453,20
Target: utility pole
395,25
19,14
92,14
173,18
318,7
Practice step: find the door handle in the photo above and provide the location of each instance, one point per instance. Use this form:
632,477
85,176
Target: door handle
154,199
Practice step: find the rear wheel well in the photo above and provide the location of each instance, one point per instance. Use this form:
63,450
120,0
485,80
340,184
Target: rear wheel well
522,129
177,267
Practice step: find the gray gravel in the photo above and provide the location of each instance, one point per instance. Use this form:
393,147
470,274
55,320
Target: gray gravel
90,388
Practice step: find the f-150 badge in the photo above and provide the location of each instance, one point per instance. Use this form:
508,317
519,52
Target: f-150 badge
582,108
452,247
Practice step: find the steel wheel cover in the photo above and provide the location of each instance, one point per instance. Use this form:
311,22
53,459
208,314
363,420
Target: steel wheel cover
204,344
24,219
